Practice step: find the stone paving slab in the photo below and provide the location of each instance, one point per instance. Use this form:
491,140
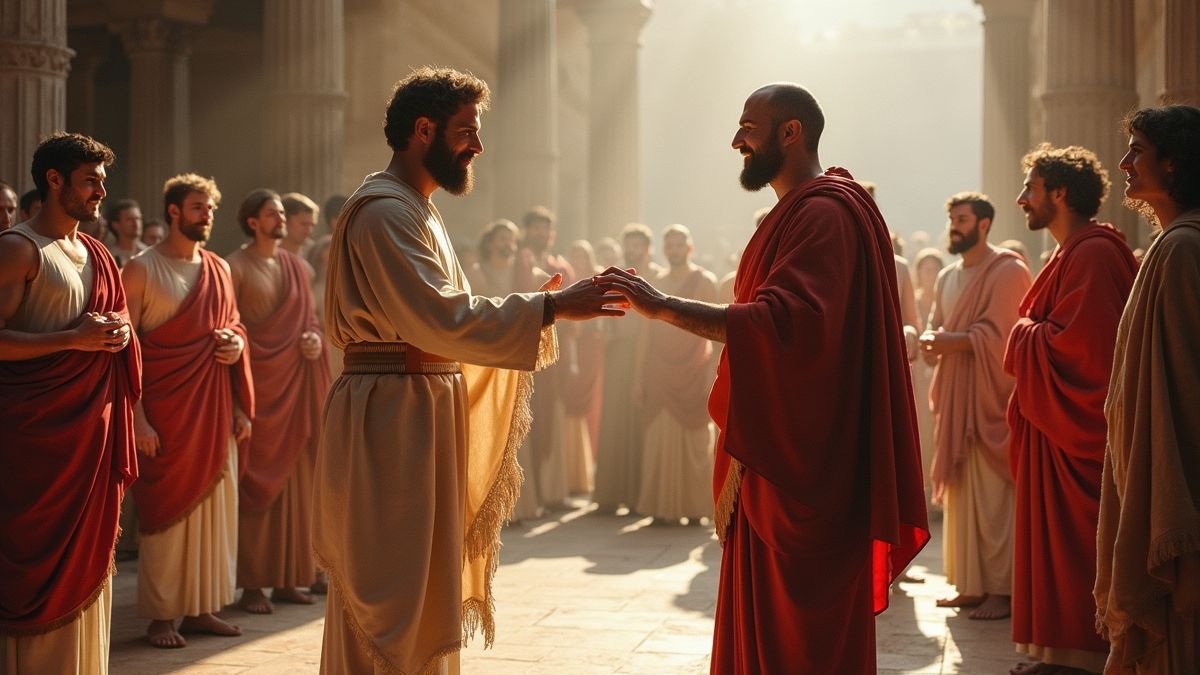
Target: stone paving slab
579,594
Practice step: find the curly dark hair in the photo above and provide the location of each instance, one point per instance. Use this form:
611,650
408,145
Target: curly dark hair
436,93
64,152
1075,168
1174,131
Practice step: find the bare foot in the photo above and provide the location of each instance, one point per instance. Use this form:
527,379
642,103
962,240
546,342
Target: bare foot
207,623
961,600
994,607
292,596
321,585
907,578
162,634
254,601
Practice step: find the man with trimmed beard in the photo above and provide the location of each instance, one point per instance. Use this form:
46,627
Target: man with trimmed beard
818,478
70,371
198,403
417,469
1148,543
497,274
675,374
291,378
975,307
1060,353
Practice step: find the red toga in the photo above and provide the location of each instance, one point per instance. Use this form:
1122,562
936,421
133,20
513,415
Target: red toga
1061,354
818,471
189,400
68,456
289,390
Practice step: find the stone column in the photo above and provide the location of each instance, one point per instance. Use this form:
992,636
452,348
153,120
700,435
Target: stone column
159,120
1091,84
1181,52
34,61
1006,112
614,188
91,49
526,109
304,119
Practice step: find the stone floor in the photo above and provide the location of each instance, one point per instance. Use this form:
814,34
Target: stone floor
580,593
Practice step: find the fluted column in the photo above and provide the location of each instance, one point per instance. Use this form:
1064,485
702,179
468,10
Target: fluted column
1090,85
34,61
304,71
614,187
159,119
1181,52
1006,105
526,110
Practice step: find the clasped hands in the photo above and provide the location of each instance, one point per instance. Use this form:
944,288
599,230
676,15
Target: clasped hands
109,332
609,293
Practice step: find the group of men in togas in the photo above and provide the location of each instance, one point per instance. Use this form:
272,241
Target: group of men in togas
818,482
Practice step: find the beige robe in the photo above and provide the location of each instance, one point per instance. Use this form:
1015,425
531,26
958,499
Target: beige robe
190,568
969,397
677,458
53,301
1148,543
78,648
416,472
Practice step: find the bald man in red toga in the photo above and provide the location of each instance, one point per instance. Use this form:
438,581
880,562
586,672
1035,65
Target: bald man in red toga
817,475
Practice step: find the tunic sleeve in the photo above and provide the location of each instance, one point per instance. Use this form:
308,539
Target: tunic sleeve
406,293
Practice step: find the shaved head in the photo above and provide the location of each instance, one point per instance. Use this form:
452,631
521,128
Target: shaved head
788,101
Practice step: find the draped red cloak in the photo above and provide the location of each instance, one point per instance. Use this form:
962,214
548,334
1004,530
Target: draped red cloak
818,439
67,457
1061,354
289,390
189,400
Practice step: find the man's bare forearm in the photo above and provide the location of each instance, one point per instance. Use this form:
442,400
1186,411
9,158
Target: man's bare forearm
703,319
19,345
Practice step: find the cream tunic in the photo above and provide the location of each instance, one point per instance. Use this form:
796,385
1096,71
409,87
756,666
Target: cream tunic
190,568
407,505
60,291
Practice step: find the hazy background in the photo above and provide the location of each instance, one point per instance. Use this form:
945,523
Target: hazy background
900,82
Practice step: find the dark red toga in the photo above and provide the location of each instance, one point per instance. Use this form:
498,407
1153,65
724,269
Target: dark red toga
68,456
818,440
1061,354
289,390
189,400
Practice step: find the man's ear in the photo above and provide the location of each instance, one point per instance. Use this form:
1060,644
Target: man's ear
55,179
985,225
791,131
424,130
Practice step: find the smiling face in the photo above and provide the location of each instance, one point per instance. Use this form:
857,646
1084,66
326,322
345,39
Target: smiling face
82,192
1147,177
453,149
757,140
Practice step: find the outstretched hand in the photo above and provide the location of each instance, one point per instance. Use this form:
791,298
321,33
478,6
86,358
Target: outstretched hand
638,292
584,299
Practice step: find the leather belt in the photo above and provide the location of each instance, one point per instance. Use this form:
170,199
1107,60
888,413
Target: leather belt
396,358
